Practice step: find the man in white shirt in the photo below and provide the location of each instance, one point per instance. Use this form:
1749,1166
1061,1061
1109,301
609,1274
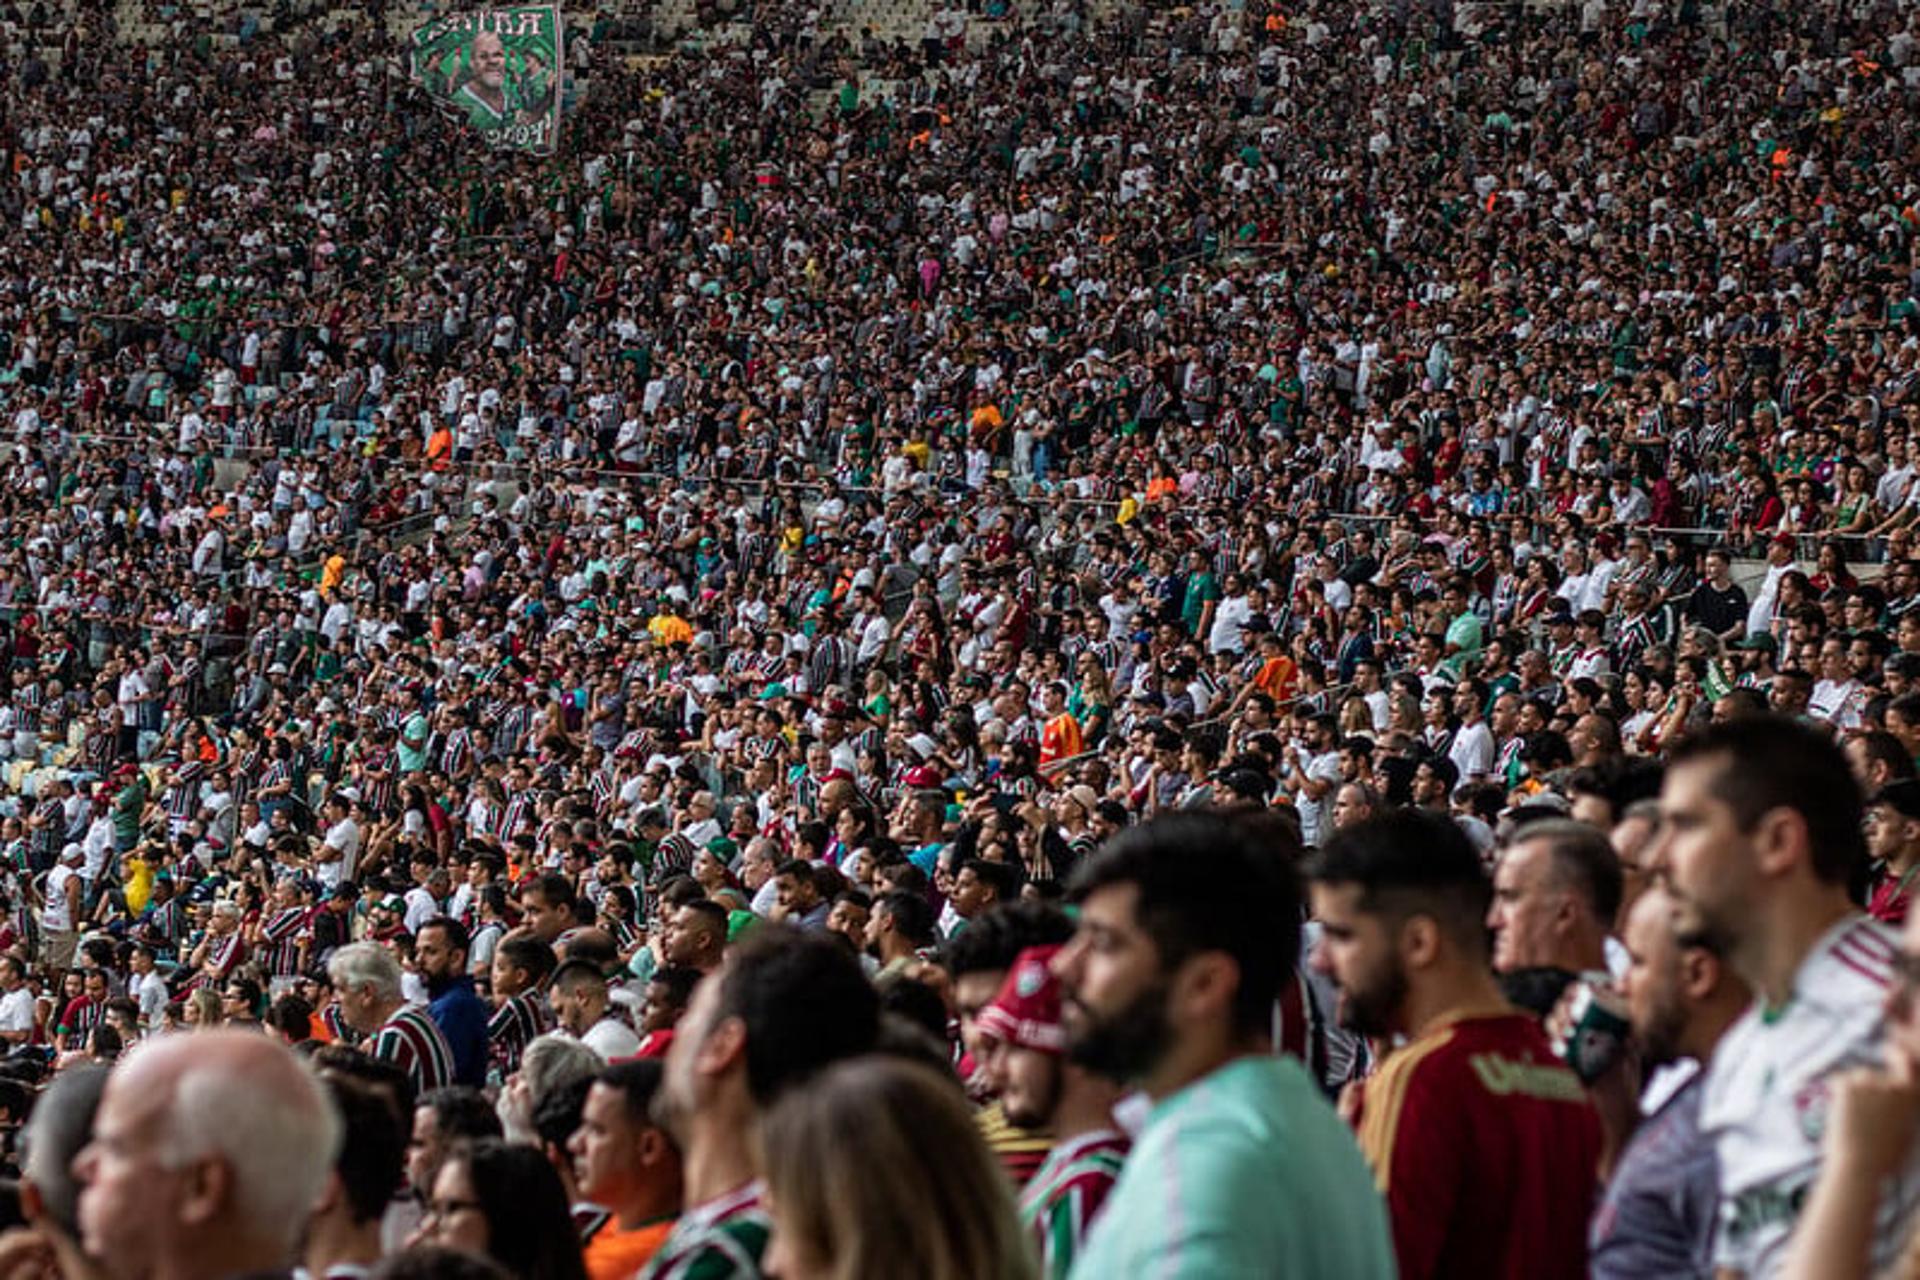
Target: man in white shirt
585,1011
1837,698
341,844
145,987
1760,833
16,1004
1230,614
1472,749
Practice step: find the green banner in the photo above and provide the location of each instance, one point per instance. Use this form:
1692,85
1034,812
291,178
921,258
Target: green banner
497,69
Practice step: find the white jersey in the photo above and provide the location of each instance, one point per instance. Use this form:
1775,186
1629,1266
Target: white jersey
1765,1103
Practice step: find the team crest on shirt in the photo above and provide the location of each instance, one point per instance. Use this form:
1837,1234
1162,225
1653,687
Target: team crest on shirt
1810,1104
1032,977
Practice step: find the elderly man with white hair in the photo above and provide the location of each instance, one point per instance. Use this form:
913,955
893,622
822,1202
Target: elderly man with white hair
366,982
209,1153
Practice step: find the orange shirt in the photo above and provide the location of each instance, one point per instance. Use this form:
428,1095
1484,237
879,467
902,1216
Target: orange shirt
614,1254
1276,678
1059,738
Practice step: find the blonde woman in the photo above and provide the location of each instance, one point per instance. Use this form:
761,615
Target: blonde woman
918,1186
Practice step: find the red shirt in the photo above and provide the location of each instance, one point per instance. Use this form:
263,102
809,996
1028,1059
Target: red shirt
1487,1151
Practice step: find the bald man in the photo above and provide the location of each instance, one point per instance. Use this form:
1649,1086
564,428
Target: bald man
208,1155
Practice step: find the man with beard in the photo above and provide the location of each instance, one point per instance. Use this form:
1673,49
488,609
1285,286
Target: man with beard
440,953
1039,1090
1482,1140
783,1005
1760,825
1187,930
1656,1218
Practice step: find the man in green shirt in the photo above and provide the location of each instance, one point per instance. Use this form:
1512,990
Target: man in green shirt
1188,933
1464,632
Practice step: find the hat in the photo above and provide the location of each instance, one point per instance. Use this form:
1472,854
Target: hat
1025,1012
73,853
923,746
1084,796
738,922
1759,640
921,776
1903,797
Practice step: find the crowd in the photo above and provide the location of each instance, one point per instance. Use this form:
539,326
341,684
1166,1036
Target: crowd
888,566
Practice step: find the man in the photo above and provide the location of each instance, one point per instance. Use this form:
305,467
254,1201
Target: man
1472,751
799,895
1838,697
979,888
547,905
440,953
696,936
1556,892
1186,934
784,1005
366,984
1719,604
1354,803
624,1162
1893,841
669,990
978,962
1761,828
343,1238
17,1020
900,928
208,1155
483,96
584,1011
1657,1216
1025,1039
60,916
520,965
1481,1139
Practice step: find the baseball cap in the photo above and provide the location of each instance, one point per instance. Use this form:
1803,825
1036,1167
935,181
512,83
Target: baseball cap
1025,1012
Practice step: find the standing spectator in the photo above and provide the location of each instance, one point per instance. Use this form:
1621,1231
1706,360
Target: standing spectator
440,954
784,1006
366,982
624,1161
1760,825
1657,1214
1038,1089
208,1155
1170,983
1481,1139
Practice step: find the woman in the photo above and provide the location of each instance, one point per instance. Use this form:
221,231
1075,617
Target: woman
503,1201
1092,700
1831,572
918,1185
1437,722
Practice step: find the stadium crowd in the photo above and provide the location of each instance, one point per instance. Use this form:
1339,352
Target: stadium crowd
1273,639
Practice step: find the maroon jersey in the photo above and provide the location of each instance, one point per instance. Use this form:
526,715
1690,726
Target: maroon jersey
1487,1150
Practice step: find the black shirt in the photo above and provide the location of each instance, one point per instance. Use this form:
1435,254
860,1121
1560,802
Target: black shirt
1718,611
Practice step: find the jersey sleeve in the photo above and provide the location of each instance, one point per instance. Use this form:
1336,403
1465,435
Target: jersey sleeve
1413,1135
